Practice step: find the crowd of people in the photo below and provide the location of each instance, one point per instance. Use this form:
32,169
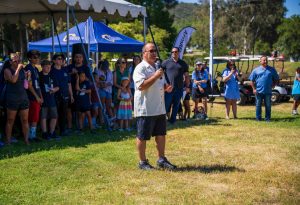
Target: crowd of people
62,99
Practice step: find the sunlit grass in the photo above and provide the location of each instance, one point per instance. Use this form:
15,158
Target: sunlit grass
220,162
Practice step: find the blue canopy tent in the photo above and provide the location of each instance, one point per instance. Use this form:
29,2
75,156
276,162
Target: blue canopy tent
100,37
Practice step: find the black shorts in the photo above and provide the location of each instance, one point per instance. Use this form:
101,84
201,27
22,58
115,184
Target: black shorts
296,97
21,105
84,108
148,126
196,94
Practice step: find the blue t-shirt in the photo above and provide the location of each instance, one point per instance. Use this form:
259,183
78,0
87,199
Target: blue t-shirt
48,82
231,86
35,81
82,97
63,79
296,86
200,75
264,79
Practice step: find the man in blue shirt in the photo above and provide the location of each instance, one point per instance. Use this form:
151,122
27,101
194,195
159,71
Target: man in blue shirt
263,78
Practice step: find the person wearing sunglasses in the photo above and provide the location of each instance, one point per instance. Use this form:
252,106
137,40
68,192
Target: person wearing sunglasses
231,77
65,94
34,93
120,72
149,108
177,72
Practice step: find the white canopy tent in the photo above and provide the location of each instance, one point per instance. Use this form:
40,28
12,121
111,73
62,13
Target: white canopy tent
21,11
15,11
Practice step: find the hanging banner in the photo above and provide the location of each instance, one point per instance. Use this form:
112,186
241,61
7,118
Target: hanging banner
182,39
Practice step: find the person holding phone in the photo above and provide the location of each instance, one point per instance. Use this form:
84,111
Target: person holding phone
232,93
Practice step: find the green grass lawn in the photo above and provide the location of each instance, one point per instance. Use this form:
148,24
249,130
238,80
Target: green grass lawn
220,162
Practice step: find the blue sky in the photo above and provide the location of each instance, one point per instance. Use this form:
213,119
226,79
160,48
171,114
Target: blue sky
292,6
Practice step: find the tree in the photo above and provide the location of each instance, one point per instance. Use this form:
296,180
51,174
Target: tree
159,16
289,37
134,29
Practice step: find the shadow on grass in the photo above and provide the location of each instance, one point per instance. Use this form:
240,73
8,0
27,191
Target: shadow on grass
207,169
273,119
77,141
83,141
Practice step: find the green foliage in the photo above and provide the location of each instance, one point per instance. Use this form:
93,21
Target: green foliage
134,30
238,24
289,37
159,16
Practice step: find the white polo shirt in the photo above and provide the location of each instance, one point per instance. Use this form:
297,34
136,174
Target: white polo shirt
149,102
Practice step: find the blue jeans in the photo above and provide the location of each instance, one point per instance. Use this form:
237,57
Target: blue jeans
260,97
173,98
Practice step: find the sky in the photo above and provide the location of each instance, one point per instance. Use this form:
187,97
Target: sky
292,6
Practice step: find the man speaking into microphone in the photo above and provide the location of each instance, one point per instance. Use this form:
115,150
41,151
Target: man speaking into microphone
149,108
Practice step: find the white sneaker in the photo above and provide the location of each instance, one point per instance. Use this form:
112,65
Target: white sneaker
295,112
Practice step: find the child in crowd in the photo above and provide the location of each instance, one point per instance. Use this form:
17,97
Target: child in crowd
296,92
83,89
49,87
95,100
34,93
124,113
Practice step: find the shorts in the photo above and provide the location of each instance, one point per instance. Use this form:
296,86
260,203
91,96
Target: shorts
148,126
105,94
49,113
196,94
95,105
296,97
34,111
84,108
22,105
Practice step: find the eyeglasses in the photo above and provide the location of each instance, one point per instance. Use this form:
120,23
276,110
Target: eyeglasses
174,52
35,57
152,51
123,62
58,59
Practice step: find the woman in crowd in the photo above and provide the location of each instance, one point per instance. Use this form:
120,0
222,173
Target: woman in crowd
232,93
199,91
16,96
121,71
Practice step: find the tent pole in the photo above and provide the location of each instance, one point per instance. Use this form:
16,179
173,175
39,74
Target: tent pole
52,31
88,36
68,25
145,28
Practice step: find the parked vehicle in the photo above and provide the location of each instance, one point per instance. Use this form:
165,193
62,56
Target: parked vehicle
281,92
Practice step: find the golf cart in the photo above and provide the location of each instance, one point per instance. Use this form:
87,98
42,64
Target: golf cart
282,91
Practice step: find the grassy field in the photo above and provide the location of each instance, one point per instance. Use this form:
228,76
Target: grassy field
220,162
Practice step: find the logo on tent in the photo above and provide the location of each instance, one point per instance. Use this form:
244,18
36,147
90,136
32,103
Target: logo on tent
110,38
72,37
